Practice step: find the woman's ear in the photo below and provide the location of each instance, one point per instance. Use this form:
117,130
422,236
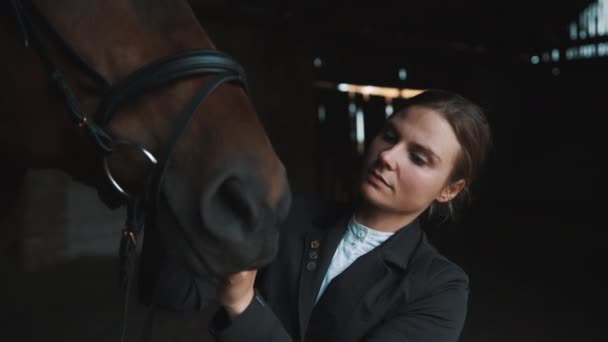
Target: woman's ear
451,190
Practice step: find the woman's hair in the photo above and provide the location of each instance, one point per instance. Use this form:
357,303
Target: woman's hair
472,131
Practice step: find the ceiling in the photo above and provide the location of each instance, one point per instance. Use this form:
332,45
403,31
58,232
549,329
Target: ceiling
473,26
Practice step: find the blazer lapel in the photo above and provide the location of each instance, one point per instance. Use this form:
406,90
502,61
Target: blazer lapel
366,280
319,247
342,296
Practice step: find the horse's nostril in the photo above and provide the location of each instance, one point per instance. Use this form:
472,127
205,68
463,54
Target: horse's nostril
233,201
240,215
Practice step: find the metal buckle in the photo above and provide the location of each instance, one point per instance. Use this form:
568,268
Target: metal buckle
106,168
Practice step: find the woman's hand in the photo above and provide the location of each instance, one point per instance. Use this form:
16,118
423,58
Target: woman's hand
236,292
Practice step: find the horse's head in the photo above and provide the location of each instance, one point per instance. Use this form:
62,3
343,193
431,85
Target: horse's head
224,190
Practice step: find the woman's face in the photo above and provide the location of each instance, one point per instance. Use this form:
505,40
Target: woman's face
408,163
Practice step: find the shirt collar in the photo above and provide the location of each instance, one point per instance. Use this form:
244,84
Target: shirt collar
366,237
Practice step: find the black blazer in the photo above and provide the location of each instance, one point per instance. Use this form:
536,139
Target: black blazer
403,290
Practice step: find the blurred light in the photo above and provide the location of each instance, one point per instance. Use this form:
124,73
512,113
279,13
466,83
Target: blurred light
352,108
389,109
367,90
587,51
592,21
555,55
602,49
571,53
402,74
546,57
602,19
360,131
534,59
321,113
317,62
407,93
573,31
582,34
555,71
343,87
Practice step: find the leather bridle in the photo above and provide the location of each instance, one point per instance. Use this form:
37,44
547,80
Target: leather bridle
141,208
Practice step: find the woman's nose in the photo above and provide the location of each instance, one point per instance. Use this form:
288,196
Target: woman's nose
387,157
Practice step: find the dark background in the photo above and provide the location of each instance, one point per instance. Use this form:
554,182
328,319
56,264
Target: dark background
531,241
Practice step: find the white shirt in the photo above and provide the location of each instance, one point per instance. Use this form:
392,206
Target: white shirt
357,240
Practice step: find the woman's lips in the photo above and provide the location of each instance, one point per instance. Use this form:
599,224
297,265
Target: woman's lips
377,179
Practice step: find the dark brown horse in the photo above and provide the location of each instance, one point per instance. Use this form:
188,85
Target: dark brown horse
179,139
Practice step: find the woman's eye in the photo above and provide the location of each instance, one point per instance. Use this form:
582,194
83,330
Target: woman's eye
388,135
418,159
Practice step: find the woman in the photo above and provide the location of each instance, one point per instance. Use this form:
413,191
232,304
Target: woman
366,272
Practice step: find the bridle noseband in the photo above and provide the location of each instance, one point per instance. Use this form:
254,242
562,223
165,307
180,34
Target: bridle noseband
141,208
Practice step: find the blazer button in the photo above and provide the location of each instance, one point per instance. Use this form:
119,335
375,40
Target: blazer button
311,266
314,255
314,244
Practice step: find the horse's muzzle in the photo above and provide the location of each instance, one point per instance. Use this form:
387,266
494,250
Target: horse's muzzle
242,221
